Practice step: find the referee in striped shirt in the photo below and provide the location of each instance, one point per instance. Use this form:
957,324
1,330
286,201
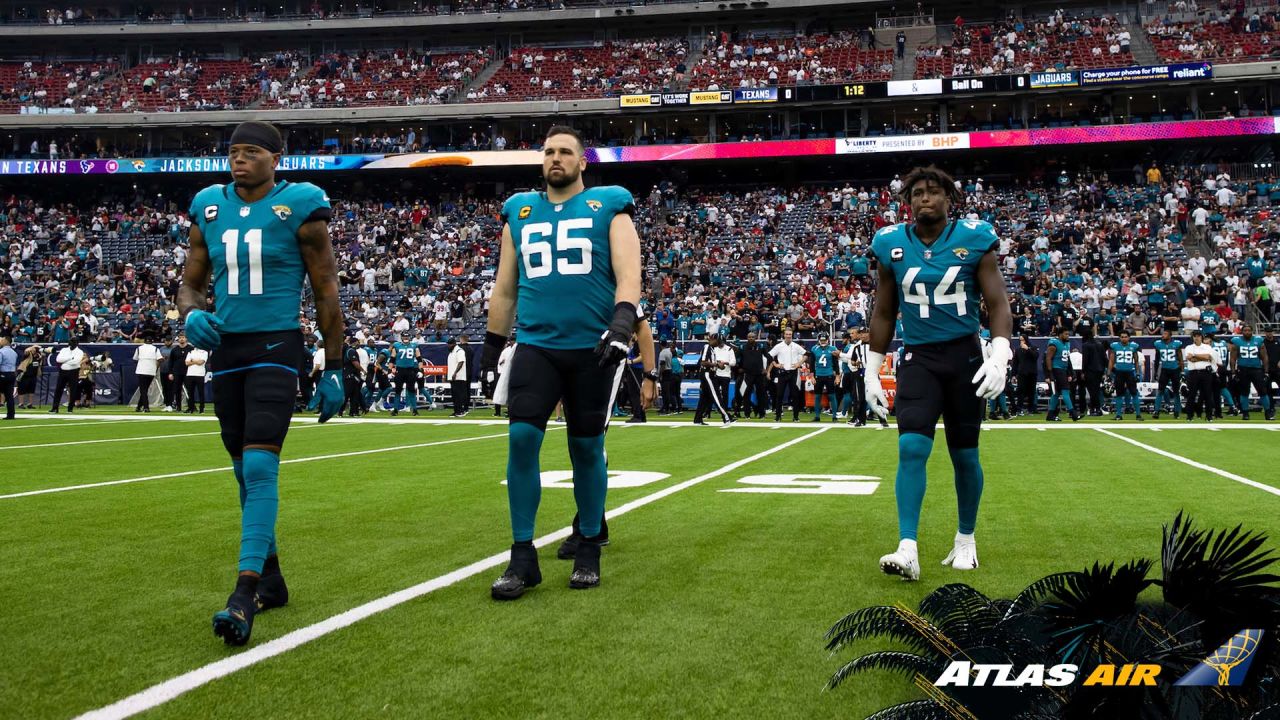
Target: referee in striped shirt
852,363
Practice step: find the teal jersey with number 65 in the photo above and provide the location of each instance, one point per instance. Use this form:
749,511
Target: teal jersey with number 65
938,293
566,284
253,252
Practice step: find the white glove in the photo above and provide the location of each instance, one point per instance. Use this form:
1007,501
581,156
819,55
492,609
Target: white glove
875,397
990,378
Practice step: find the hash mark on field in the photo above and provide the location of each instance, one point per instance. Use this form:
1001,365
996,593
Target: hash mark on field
157,695
1187,461
188,473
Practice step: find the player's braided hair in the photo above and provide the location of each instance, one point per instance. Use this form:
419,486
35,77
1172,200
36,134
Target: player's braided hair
930,174
566,130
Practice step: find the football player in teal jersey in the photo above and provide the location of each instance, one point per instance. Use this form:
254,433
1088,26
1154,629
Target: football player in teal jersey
1248,358
824,358
937,272
1169,381
258,239
569,278
1222,394
1124,361
405,356
1057,368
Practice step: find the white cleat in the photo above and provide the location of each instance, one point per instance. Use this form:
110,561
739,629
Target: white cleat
963,556
903,564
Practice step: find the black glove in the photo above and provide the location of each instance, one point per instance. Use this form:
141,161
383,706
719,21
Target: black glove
493,345
615,343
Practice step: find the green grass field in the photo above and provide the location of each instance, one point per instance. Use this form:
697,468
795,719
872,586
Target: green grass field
713,603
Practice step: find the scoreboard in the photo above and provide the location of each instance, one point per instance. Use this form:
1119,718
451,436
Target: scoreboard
1170,73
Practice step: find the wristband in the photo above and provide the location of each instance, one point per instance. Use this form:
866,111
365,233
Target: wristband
492,339
332,364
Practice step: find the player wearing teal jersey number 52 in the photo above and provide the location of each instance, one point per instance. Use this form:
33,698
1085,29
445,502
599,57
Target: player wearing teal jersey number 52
258,239
938,272
569,280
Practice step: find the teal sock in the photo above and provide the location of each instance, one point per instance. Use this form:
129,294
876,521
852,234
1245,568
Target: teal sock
524,480
413,399
1243,401
590,481
1053,404
913,456
968,487
1266,402
261,503
237,464
1066,401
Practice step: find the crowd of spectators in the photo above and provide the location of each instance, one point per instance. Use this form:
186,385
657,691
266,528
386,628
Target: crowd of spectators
566,73
1091,249
750,61
1232,33
1062,41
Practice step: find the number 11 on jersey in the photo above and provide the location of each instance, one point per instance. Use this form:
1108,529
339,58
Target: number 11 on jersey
231,241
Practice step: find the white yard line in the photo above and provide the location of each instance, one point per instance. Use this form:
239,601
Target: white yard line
157,695
188,473
116,440
1201,466
70,424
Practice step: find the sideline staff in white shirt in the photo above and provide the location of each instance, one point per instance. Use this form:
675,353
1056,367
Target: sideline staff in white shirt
148,358
716,367
787,357
459,381
69,360
196,360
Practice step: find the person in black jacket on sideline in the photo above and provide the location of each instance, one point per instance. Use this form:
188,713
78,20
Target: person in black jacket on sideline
1026,367
1094,353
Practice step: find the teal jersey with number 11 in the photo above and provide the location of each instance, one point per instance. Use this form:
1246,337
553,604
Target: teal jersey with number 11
937,284
566,284
253,252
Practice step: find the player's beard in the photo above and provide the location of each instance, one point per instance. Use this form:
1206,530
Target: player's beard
567,177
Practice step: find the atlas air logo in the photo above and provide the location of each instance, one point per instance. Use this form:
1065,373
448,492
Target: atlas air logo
963,673
1228,665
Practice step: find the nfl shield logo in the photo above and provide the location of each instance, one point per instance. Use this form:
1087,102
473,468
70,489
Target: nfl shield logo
244,211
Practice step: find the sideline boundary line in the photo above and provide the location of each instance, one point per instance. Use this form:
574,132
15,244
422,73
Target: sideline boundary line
157,695
227,468
843,426
1198,465
116,440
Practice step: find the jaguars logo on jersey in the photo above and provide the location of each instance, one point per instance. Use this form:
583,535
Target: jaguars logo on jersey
281,211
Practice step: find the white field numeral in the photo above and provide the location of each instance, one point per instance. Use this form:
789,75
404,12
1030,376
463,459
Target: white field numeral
809,484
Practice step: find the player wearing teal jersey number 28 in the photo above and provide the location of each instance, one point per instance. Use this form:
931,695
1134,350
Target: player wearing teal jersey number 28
937,272
258,239
569,281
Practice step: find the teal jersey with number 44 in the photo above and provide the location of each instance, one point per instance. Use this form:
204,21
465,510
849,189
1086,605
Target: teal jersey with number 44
253,252
938,293
566,284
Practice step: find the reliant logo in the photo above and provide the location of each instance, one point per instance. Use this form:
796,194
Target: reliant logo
1191,73
963,673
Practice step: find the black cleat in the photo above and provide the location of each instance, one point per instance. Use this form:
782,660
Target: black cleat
234,623
522,573
272,590
586,565
569,548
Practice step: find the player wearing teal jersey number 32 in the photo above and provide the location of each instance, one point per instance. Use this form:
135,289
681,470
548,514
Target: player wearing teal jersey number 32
569,280
257,239
937,272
